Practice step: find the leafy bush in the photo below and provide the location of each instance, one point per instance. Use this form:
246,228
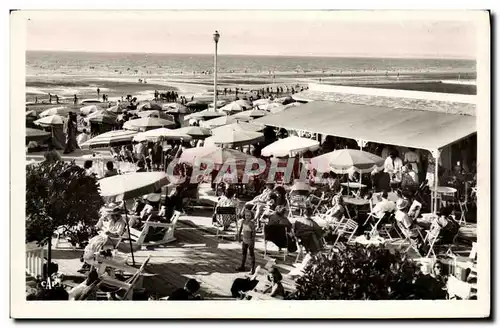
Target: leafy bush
60,196
364,273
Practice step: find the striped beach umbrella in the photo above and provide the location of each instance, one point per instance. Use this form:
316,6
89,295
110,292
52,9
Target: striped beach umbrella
162,133
63,111
108,139
147,123
50,120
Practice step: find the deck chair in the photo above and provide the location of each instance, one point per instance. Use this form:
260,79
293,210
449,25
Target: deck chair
348,229
138,236
321,202
225,217
191,196
432,235
281,230
407,237
127,286
458,289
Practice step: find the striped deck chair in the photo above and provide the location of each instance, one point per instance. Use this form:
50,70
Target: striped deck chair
224,218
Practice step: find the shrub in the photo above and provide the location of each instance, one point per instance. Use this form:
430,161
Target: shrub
363,273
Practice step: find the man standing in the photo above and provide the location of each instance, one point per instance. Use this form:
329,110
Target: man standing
75,100
98,92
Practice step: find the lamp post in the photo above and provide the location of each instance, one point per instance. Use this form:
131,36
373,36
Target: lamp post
216,40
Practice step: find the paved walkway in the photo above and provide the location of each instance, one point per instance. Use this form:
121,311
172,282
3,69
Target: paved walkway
195,254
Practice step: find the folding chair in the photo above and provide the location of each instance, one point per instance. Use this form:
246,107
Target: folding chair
463,211
224,217
321,202
282,230
432,235
128,285
348,228
407,237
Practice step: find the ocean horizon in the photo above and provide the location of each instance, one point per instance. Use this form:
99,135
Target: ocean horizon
41,62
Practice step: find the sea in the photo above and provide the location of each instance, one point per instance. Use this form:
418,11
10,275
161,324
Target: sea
40,63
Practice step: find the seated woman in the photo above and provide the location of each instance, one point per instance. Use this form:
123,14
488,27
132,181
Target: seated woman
308,232
226,200
276,290
406,222
449,227
111,227
144,214
274,227
260,201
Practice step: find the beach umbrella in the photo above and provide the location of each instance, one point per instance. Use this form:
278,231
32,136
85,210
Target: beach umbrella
231,137
220,103
147,123
263,101
36,135
162,133
63,111
103,117
240,126
197,132
250,114
127,186
204,114
346,160
50,120
148,106
290,146
117,109
120,188
237,106
90,109
108,139
175,108
219,121
157,114
31,113
214,155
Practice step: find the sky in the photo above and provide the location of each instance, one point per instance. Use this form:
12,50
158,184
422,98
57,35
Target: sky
304,33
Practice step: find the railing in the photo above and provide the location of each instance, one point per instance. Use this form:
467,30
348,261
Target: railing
35,261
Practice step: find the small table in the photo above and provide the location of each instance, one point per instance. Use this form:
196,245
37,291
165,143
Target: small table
354,185
443,190
356,201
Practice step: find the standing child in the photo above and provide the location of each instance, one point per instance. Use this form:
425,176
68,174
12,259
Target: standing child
246,235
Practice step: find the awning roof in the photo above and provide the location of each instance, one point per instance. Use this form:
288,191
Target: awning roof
402,127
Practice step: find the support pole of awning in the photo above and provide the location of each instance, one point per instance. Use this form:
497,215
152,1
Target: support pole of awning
361,144
436,153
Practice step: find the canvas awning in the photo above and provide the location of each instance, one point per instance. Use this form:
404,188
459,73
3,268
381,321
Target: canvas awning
409,128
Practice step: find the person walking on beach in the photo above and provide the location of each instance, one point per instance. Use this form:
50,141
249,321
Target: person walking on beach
50,98
57,99
75,100
36,100
98,92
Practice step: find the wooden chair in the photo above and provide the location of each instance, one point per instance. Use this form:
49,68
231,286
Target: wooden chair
282,230
225,217
127,286
138,236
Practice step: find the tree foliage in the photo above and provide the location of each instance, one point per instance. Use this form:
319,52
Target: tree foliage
364,273
59,195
